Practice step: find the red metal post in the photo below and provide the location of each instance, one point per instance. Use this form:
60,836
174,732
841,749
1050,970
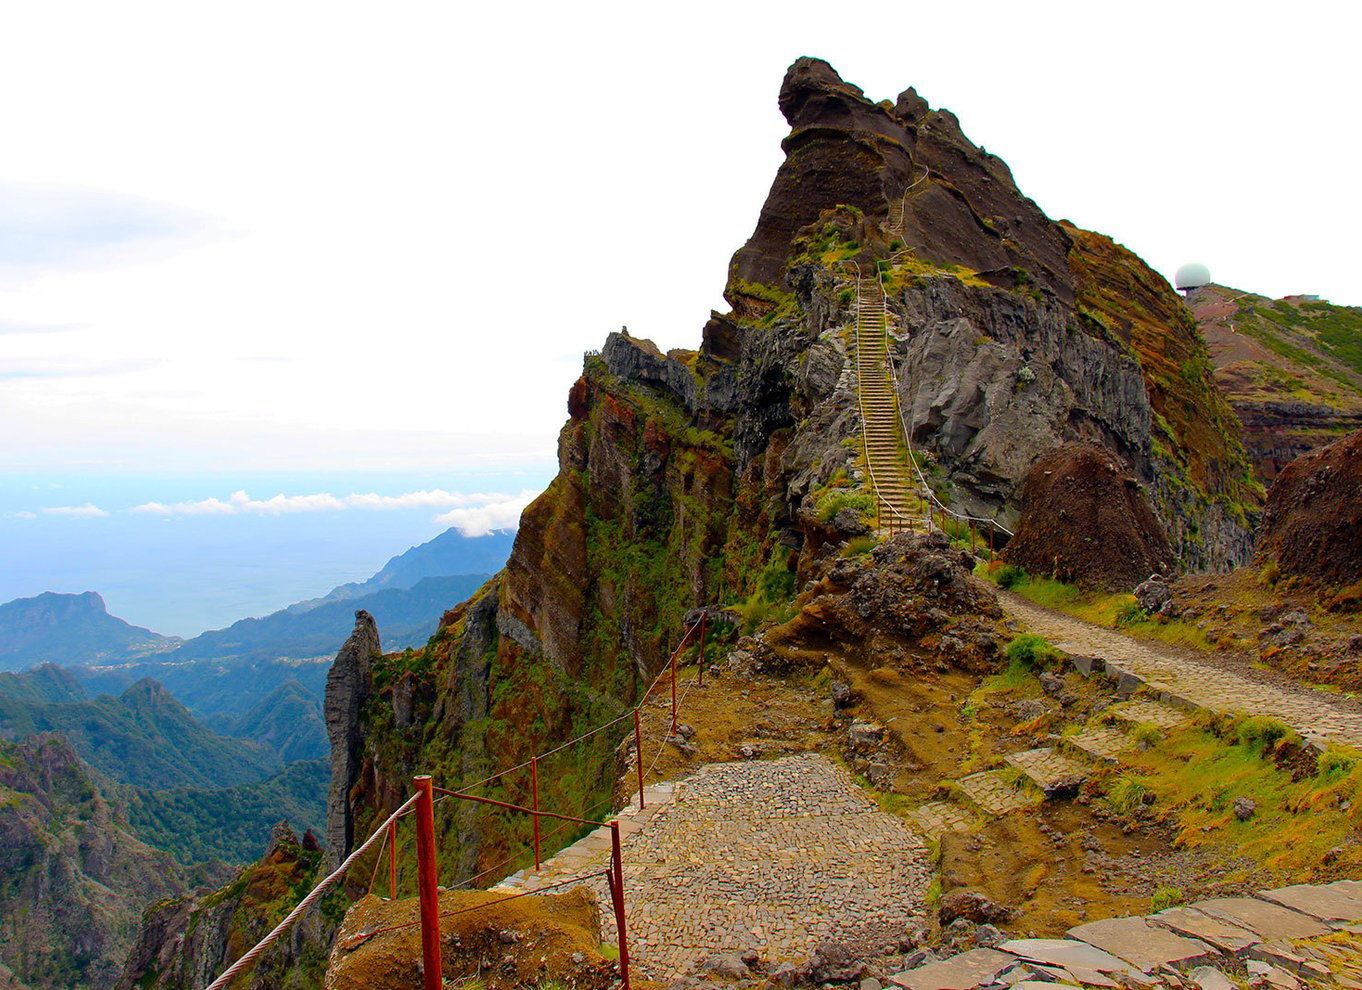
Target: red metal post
432,977
534,785
704,621
674,653
638,751
617,896
392,861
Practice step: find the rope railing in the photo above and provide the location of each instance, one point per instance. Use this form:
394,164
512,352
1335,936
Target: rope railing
312,898
928,493
422,803
898,521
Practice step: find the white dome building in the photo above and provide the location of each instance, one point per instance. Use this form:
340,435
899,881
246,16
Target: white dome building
1192,275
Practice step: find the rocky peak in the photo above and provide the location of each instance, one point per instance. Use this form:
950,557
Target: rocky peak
960,205
347,688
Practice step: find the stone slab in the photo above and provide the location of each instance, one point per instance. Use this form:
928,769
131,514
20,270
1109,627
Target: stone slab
1210,978
1103,745
1218,932
1263,918
1327,903
993,795
1145,946
1050,770
1142,710
962,972
1066,953
1038,985
938,818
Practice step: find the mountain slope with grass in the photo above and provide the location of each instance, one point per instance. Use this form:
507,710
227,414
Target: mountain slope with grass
1291,368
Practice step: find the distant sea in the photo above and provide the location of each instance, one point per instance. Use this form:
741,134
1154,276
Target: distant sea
182,574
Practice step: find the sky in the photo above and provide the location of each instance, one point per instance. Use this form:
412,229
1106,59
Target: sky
267,247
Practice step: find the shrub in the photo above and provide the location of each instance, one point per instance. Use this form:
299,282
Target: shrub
1126,794
1331,763
1009,576
1270,574
833,502
1129,614
1030,650
1147,734
1165,897
1261,730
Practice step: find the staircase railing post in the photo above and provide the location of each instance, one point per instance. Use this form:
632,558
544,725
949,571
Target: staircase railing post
534,786
638,751
704,620
392,861
427,884
674,653
617,896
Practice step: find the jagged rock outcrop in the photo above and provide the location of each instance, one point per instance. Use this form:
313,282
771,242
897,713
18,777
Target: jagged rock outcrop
347,687
186,942
1014,333
1313,523
73,878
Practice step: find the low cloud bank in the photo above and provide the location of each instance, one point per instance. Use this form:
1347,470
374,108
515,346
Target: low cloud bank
471,513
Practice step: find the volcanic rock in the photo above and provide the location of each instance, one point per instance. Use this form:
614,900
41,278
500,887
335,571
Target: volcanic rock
1313,523
1085,520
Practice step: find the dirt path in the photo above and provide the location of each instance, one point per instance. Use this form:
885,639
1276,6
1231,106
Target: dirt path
1211,682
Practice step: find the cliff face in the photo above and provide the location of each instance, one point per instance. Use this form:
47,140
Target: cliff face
692,478
73,879
1313,523
713,476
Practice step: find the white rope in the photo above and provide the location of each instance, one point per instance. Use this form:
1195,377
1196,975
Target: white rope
307,901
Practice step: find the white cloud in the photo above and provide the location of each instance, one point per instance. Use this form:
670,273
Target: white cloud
484,519
473,513
24,515
240,503
87,511
437,499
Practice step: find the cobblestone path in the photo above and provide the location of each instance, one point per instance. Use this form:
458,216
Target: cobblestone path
771,855
1200,680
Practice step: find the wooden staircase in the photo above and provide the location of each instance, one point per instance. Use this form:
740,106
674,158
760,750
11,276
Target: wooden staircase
897,501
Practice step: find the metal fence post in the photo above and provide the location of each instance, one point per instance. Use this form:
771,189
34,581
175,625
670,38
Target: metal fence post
392,861
674,653
427,877
534,785
617,895
704,621
638,751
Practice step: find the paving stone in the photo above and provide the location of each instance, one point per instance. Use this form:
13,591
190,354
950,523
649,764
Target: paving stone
962,972
1066,952
1049,769
1041,984
1103,745
938,818
1217,932
772,855
1325,902
1189,680
1140,711
1210,978
1145,946
993,793
1265,919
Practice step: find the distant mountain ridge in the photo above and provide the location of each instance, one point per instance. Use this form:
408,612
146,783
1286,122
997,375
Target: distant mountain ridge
144,736
54,627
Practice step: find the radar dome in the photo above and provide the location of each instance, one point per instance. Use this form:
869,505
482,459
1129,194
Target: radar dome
1192,276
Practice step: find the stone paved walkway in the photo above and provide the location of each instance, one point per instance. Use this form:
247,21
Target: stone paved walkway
1201,681
771,855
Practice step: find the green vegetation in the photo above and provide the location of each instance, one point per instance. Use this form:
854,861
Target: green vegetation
837,499
1030,650
1193,778
1164,898
231,824
1119,611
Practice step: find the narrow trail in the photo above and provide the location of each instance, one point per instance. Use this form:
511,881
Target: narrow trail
1205,680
